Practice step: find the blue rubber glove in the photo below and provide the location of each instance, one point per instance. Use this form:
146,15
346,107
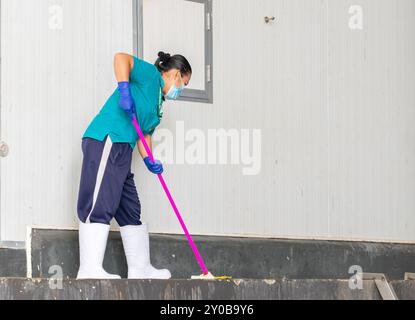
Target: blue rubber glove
126,101
155,167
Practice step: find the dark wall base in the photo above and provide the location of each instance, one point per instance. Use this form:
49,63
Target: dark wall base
245,258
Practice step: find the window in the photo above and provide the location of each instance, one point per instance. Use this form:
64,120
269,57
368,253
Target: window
178,27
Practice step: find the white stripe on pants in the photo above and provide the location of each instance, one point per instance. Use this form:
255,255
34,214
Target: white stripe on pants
101,169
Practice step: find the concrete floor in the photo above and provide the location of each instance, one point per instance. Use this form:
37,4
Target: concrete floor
237,289
263,269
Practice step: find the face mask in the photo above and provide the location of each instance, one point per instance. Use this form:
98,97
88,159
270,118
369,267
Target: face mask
174,92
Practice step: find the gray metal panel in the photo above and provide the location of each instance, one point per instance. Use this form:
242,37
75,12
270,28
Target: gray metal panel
335,109
54,83
138,27
0,114
371,114
272,84
316,178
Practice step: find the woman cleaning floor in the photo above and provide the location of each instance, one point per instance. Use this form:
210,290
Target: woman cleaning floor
107,189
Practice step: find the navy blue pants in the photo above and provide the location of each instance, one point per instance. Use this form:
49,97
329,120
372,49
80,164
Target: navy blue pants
107,189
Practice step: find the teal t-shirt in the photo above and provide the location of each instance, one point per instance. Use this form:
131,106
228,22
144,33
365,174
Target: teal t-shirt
146,85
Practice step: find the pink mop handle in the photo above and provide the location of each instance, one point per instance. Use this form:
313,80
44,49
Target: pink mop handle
173,204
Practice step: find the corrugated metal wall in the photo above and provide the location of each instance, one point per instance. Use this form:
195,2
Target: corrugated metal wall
335,107
55,78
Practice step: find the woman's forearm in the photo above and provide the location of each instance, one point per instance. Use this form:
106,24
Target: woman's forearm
141,148
123,64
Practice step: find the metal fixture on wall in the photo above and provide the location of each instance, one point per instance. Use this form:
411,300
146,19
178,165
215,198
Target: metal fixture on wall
4,149
269,19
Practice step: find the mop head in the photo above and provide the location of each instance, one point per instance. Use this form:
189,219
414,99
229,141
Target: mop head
210,276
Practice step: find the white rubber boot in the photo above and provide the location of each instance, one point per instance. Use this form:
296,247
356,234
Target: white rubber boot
136,244
92,243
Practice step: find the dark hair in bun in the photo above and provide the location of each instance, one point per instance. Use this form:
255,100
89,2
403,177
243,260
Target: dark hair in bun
166,62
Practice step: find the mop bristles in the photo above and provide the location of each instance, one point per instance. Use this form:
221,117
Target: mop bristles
210,276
